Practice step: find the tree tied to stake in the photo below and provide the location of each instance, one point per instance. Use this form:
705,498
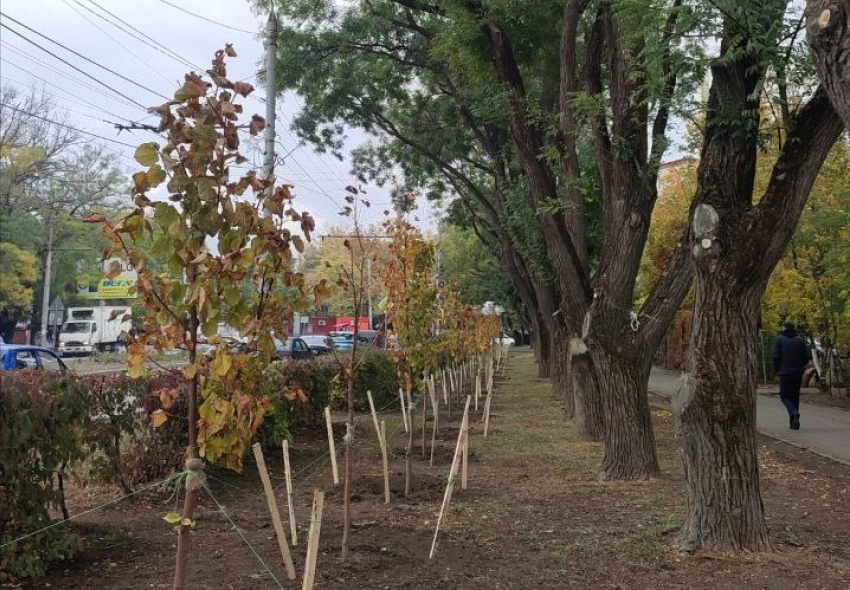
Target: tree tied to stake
228,258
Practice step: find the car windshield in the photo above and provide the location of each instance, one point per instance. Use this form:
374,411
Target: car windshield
76,327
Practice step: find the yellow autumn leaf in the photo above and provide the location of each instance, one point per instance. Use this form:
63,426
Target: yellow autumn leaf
136,371
171,518
189,371
158,418
221,365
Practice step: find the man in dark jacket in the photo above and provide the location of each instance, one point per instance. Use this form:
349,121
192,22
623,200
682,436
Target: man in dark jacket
790,357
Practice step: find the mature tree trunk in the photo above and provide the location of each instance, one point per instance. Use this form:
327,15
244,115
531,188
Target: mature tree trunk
542,345
586,396
562,371
629,439
829,43
716,417
735,247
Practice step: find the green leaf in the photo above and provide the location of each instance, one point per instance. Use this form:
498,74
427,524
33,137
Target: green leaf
206,189
156,175
147,154
232,295
210,328
165,214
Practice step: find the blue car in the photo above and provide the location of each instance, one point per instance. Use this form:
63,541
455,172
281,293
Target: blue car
19,357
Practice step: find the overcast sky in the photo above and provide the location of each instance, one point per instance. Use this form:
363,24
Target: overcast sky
179,39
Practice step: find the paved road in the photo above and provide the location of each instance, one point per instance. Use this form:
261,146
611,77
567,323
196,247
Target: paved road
85,366
825,431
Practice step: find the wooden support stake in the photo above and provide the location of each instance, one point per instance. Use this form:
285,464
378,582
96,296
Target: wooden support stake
331,445
487,412
270,500
464,427
374,416
293,529
403,410
477,389
435,405
313,540
490,375
424,420
386,462
445,390
447,497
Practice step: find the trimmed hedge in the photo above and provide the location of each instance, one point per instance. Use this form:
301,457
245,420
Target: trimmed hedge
317,384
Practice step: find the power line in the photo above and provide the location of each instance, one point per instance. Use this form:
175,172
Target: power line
90,116
209,20
116,41
69,64
31,58
312,156
147,40
52,122
79,100
83,57
296,185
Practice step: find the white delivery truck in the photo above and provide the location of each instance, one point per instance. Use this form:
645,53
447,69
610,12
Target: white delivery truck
89,329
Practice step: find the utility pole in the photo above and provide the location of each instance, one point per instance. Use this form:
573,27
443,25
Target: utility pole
271,95
45,298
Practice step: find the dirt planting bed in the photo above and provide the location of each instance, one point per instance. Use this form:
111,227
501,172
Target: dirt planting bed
535,516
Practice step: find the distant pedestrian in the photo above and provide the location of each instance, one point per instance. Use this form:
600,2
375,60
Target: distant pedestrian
790,357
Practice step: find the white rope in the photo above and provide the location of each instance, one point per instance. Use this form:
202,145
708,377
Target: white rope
634,322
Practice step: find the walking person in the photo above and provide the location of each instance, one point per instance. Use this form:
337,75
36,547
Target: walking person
790,357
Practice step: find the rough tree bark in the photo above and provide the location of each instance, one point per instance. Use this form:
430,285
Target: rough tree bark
629,438
735,247
828,24
586,395
716,416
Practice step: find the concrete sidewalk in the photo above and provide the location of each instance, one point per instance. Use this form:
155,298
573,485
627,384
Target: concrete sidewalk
824,430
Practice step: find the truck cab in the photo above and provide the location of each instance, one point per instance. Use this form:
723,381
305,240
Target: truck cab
78,337
89,329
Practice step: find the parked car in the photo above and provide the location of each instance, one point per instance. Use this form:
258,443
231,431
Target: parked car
345,340
319,343
374,337
18,357
294,348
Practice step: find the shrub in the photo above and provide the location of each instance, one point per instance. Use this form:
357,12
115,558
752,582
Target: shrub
316,383
299,392
40,434
130,451
97,428
378,374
